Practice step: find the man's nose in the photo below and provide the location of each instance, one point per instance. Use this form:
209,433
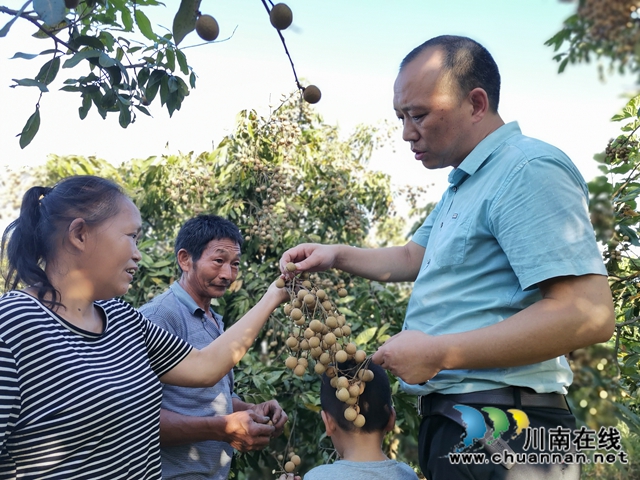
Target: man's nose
409,132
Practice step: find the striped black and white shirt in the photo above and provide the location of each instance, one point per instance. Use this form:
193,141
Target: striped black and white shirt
76,404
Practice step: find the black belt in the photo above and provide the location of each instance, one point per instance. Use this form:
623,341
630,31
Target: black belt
515,397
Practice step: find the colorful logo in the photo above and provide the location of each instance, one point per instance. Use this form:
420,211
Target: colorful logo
477,429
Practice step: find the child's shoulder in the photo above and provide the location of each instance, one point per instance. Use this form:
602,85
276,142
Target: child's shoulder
362,471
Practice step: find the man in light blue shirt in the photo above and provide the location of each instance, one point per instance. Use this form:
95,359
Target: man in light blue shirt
508,276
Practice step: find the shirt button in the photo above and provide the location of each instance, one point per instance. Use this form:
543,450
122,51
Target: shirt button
455,189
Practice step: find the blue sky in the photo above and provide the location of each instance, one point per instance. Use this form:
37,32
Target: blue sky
351,50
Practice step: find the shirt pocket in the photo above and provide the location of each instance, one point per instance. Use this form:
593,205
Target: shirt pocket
452,240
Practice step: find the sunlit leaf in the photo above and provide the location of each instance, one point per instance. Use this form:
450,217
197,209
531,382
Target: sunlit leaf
144,25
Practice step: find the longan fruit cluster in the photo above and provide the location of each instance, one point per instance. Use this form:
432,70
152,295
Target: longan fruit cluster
321,335
608,18
349,387
619,149
292,463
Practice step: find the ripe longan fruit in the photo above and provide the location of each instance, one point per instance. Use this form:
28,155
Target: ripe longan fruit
342,292
351,348
359,421
291,363
342,394
343,382
296,460
292,342
354,390
315,325
207,27
291,267
311,94
296,314
280,283
330,339
299,370
331,322
281,16
360,356
289,467
319,368
341,356
350,414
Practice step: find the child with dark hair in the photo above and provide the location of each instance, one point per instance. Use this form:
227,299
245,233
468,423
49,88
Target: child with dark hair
360,448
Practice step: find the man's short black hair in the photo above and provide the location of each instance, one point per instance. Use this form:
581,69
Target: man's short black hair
375,402
467,62
197,232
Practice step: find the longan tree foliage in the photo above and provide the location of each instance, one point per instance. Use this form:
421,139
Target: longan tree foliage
608,377
283,180
127,60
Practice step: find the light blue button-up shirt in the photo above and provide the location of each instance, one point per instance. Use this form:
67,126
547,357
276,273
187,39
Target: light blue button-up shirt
515,214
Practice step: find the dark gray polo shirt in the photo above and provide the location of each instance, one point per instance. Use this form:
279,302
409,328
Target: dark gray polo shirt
177,312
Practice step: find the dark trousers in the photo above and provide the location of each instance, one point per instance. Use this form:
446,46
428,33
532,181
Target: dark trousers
439,436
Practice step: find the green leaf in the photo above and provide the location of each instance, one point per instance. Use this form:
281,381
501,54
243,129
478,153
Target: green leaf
365,336
171,59
143,76
143,110
84,108
145,25
89,41
30,129
30,82
78,57
182,62
7,26
185,20
49,71
26,56
127,20
51,12
125,116
105,60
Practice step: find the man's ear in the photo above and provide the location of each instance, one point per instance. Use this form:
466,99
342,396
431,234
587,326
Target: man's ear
480,103
184,260
329,423
392,421
77,234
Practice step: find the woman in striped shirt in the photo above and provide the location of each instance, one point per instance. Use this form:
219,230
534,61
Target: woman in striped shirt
80,370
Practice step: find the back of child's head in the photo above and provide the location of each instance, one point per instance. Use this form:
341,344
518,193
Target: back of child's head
374,402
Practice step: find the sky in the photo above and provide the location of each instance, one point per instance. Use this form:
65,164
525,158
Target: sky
351,50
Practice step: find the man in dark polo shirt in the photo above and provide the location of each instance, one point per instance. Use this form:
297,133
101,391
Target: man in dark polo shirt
200,427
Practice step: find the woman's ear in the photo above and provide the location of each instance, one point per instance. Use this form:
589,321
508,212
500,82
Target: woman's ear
77,234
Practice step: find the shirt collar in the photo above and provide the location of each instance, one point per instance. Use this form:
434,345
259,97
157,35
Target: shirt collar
184,298
482,152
